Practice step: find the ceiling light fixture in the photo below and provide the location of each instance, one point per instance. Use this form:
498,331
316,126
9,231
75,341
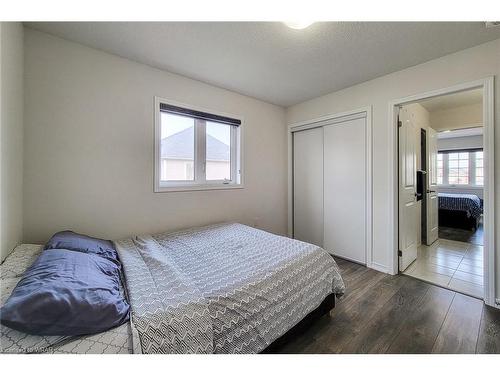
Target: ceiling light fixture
298,25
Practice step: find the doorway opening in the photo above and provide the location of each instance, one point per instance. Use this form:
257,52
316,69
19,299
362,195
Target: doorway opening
444,215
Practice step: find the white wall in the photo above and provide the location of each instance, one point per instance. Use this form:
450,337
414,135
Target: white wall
468,65
94,111
460,143
11,135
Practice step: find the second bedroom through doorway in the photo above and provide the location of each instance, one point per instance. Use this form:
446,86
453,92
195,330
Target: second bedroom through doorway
447,133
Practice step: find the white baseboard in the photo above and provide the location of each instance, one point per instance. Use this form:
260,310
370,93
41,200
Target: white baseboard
379,267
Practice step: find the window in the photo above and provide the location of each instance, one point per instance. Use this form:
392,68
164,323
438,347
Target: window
458,168
461,167
479,168
440,169
195,150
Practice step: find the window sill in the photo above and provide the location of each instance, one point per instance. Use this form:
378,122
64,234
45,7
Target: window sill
478,187
172,189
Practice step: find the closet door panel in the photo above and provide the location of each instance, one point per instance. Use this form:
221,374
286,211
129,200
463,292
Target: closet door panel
308,186
345,189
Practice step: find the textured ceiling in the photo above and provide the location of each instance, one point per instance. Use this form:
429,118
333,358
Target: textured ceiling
460,99
272,62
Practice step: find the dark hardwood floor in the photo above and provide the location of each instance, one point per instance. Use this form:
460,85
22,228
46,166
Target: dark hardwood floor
398,314
463,235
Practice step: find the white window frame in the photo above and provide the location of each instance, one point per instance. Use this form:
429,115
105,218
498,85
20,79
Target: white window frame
472,169
199,182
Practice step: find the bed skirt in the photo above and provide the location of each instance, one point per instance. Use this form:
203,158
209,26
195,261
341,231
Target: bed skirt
457,219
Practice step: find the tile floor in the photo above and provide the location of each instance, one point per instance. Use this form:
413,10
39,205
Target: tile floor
451,264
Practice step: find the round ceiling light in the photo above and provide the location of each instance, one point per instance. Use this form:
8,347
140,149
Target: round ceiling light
298,25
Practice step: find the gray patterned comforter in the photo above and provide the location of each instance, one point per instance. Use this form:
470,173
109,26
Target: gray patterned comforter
225,288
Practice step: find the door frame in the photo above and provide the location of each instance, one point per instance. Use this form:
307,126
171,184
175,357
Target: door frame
319,122
487,86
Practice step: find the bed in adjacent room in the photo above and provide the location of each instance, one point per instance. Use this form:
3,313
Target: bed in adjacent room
226,288
459,210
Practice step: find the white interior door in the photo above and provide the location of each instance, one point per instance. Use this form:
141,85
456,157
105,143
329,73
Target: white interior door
308,186
345,189
408,209
431,193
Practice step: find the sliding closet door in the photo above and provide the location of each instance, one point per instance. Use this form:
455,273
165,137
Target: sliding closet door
345,189
308,186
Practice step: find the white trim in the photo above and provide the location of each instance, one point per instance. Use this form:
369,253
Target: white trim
487,85
236,155
332,119
185,188
489,191
380,267
463,187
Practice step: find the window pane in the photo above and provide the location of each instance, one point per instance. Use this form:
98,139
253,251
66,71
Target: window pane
177,148
479,168
453,163
440,169
218,161
453,156
479,176
464,155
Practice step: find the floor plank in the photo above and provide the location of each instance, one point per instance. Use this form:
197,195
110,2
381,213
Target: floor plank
399,314
461,327
489,333
351,321
383,328
422,326
356,287
359,281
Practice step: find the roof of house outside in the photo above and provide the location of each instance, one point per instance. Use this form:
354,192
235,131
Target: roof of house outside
181,146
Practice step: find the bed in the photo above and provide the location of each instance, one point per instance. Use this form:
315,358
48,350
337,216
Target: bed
226,288
459,210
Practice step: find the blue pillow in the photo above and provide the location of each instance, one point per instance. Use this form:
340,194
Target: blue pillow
67,293
79,242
